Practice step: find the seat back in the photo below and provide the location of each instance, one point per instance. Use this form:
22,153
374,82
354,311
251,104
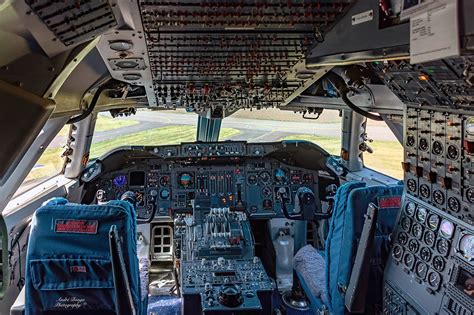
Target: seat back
69,263
351,202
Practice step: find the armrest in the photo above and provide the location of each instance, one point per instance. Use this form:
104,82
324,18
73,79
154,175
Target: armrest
358,284
18,307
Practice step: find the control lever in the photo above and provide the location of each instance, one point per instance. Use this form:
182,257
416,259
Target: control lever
132,199
305,206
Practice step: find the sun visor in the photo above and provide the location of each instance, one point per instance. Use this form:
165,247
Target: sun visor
23,114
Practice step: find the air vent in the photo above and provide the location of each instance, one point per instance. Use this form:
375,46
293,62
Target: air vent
74,21
162,243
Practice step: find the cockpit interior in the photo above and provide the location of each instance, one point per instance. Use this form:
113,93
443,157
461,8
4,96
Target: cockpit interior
224,157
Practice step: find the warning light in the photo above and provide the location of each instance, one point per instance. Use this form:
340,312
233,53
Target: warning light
423,77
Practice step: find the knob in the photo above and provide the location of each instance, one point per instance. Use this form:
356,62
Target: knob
230,295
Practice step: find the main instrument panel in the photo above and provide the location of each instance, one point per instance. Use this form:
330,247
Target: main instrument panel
235,175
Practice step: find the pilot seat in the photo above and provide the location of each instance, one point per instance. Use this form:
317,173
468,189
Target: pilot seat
82,259
348,275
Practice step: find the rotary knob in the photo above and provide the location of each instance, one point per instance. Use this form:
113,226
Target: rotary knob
230,295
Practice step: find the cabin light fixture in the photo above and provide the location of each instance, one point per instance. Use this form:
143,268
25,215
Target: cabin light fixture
120,45
132,76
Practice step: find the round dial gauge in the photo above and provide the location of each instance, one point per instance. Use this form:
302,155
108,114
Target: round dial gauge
409,260
470,195
454,204
425,191
265,177
423,144
406,223
410,208
437,148
411,185
164,180
438,197
438,263
453,152
410,140
443,247
466,246
421,214
252,179
417,230
425,254
433,221
266,192
434,279
397,252
413,245
446,229
185,180
402,238
430,238
421,270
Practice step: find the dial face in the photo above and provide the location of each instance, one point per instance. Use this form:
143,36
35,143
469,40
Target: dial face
470,125
421,270
425,254
446,229
252,179
397,252
425,191
443,246
430,238
120,181
411,185
421,214
437,148
438,197
264,177
453,152
423,144
185,180
410,208
434,279
417,230
280,175
466,247
406,223
470,195
410,140
402,238
164,180
413,245
266,192
409,260
164,194
453,204
433,222
438,263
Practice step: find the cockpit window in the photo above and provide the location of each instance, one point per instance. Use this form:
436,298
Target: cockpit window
49,164
387,151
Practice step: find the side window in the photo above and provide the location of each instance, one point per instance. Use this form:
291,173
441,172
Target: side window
49,164
388,152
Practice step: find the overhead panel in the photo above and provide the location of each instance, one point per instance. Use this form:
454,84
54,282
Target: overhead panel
233,53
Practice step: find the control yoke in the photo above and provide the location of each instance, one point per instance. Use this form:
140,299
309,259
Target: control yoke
305,209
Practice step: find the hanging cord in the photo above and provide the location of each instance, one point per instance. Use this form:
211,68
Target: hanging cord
343,90
91,107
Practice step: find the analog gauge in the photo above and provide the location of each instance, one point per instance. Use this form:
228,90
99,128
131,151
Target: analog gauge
266,192
438,197
280,175
164,180
265,177
406,223
466,247
185,180
410,208
425,254
267,204
397,252
421,214
402,238
470,195
308,178
470,126
120,181
453,204
438,263
417,230
252,179
411,185
425,191
164,194
433,222
446,229
410,140
423,144
430,238
413,245
437,148
443,247
421,270
434,279
453,152
409,260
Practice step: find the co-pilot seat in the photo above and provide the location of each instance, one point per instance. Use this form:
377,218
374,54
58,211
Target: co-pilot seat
327,277
82,259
